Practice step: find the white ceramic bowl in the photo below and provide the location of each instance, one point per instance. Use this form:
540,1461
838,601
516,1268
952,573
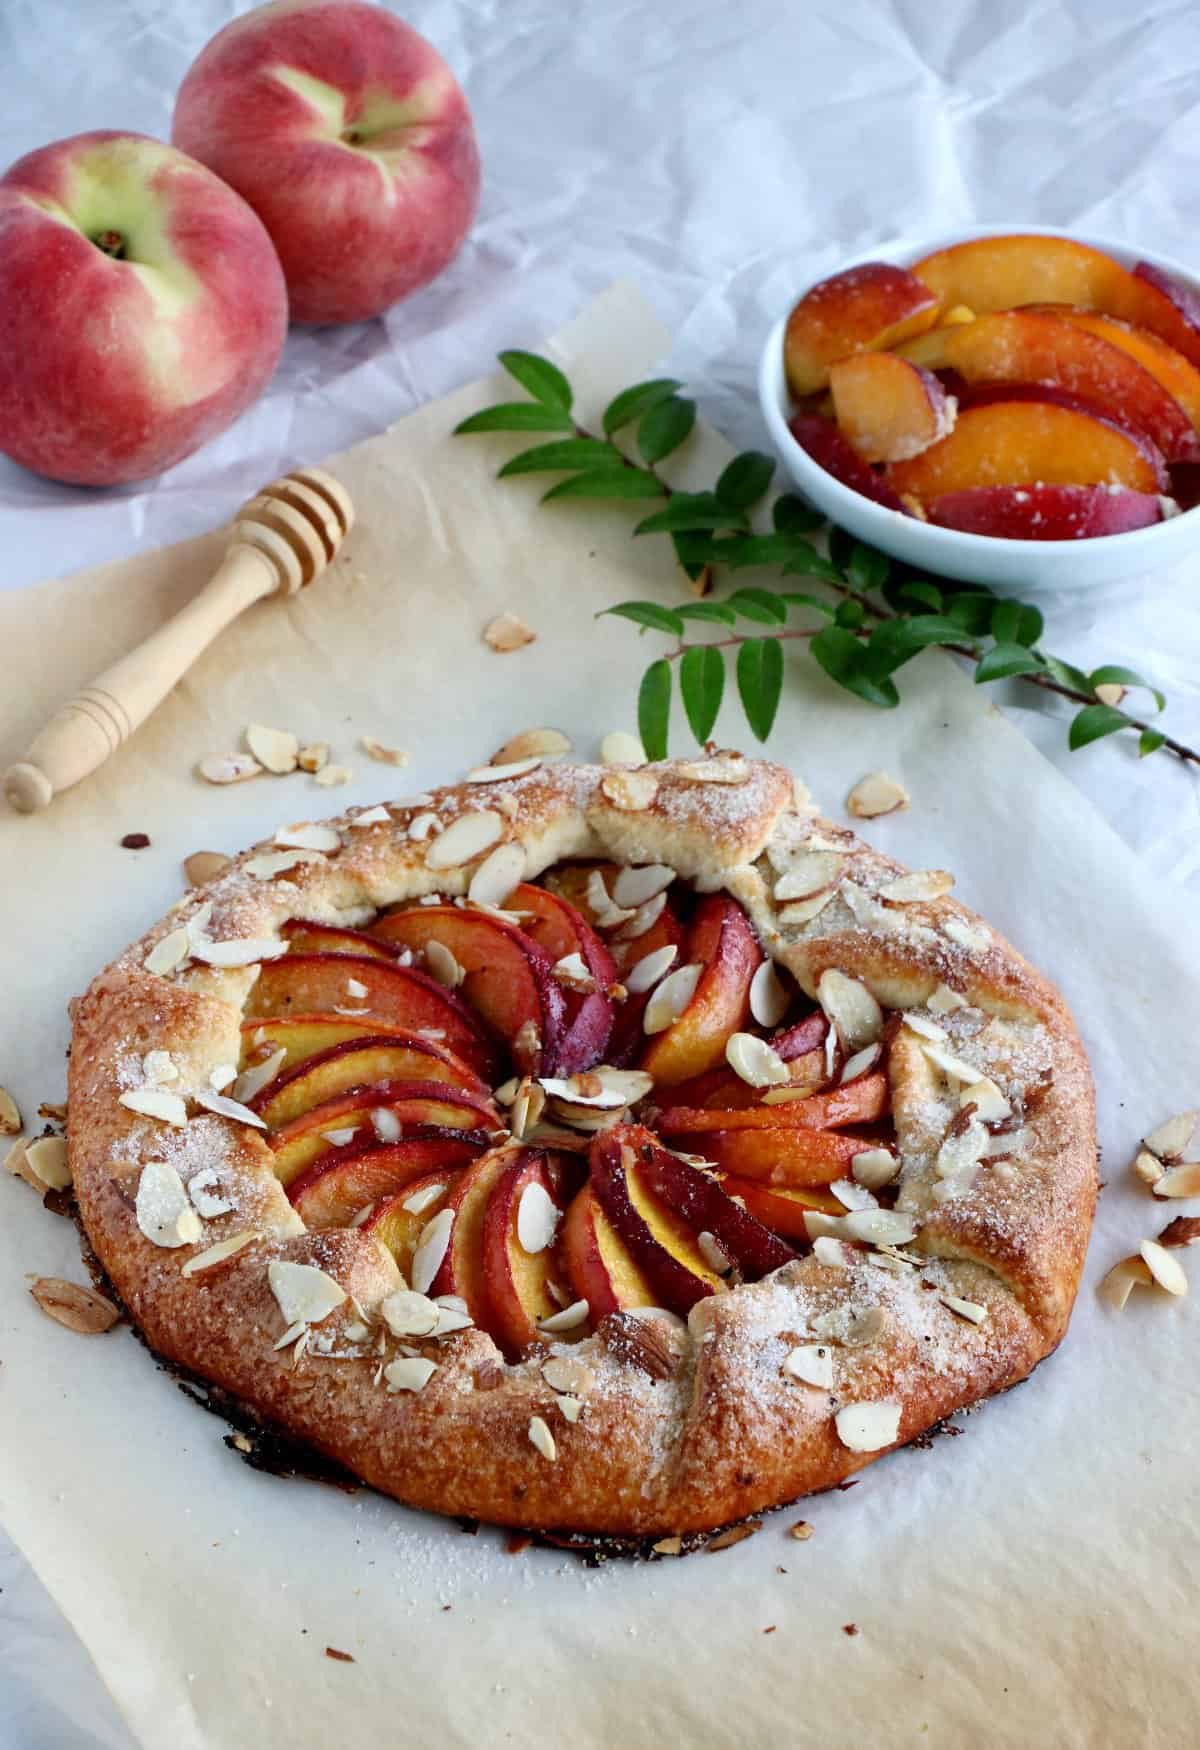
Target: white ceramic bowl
1008,566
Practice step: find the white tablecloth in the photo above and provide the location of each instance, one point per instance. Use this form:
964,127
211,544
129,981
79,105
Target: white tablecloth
723,157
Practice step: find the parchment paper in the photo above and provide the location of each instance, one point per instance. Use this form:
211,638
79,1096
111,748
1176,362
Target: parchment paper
1030,1582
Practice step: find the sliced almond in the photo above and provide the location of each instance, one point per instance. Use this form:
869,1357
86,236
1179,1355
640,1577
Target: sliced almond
671,998
756,1062
465,839
957,1069
971,1310
537,1219
1169,1140
253,1080
441,964
332,777
308,835
303,1292
991,1105
47,1158
277,750
634,885
1179,1181
168,953
879,1227
497,875
379,750
769,998
860,1063
246,951
1183,1231
918,1023
207,1260
945,1001
619,748
865,1327
1165,1268
811,1364
647,971
268,864
542,744
495,774
155,1103
868,1427
851,1195
569,1319
409,1314
850,1008
1109,692
922,884
541,1438
874,795
224,1107
409,1373
809,873
313,757
228,768
70,1304
565,1374
572,970
874,1167
724,768
420,1201
629,791
377,816
527,1108
506,633
1148,1167
644,918
164,1212
10,1114
431,1249
1130,1273
803,911
205,866
204,1190
973,937
829,1250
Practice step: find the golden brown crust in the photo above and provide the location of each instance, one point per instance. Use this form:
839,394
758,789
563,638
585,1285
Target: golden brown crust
727,1433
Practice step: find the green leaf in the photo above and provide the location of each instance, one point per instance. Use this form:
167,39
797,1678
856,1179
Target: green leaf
632,403
607,483
701,684
841,547
844,660
972,612
650,614
654,709
717,612
1149,741
691,550
894,642
1113,675
745,480
690,510
760,605
1003,660
760,682
740,551
1093,722
1030,626
867,568
516,416
665,427
850,614
807,562
793,515
1006,617
587,453
544,381
797,599
921,592
1066,674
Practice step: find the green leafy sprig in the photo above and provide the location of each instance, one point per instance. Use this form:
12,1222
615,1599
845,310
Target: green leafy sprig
872,617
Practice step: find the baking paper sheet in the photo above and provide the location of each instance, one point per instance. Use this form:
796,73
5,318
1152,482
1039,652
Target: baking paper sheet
1028,1582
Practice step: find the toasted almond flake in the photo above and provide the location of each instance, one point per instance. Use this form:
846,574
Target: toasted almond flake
636,884
47,1158
957,1069
1169,1140
155,1103
246,951
303,1292
69,1303
203,1190
801,1531
810,873
10,1114
228,768
668,1546
431,1250
409,1373
313,757
356,989
619,748
441,964
671,998
495,774
407,1313
868,1427
811,1364
1183,1231
1182,1180
277,750
308,835
268,864
971,1310
829,1251
497,875
645,974
768,996
569,1319
866,1327
363,1215
1166,1270
527,1108
831,1048
1148,1167
204,866
541,744
419,1202
452,1318
173,949
922,884
973,937
803,911
386,1125
292,1335
465,839
224,1107
918,1023
875,1167
874,795
945,1001
879,1227
507,633
331,777
378,750
200,1261
644,918
851,1195
537,1219
377,816
1130,1273
164,1213
336,1138
755,1061
713,1253
419,829
159,1067
572,970
724,768
860,1063
962,1150
197,924
566,1374
850,1007
991,1105
629,791
541,1438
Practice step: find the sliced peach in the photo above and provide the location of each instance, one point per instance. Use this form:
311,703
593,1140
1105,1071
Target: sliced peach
888,408
340,1185
411,1105
356,1064
822,440
721,940
508,980
1037,347
862,309
396,996
999,273
304,1036
721,1089
704,1208
400,1220
1178,376
662,1244
463,1270
785,1156
518,1282
561,930
665,932
1167,307
1018,440
599,1263
781,1207
862,1101
1046,513
570,881
306,938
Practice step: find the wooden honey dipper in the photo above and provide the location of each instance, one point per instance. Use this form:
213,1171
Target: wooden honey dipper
281,541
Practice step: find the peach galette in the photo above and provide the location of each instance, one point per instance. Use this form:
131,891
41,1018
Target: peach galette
604,1149
1022,386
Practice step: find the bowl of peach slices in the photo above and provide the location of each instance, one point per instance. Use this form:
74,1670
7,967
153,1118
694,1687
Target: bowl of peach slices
1015,408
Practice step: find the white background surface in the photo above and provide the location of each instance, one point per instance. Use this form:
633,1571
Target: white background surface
722,156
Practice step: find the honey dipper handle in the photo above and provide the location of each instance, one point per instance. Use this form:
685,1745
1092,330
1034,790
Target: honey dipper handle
81,736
